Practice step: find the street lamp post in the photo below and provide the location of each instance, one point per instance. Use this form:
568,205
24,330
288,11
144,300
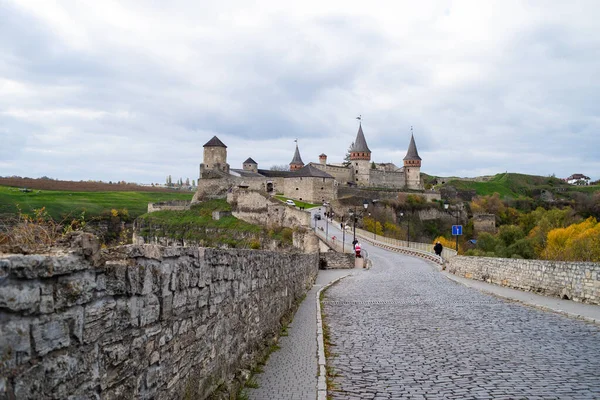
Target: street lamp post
407,229
343,234
354,216
326,222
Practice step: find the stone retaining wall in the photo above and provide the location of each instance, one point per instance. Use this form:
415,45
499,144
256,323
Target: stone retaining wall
149,322
333,260
173,205
578,281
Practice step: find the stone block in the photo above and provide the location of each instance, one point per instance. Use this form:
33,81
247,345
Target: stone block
46,304
15,346
151,310
116,277
74,289
20,296
99,319
51,335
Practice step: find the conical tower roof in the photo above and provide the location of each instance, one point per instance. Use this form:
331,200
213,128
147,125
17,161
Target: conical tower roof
412,153
297,160
360,144
214,142
250,161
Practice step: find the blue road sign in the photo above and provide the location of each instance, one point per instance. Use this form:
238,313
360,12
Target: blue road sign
456,230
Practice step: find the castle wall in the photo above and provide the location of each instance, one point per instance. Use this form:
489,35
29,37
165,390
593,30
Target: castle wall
380,178
218,188
150,323
310,189
340,174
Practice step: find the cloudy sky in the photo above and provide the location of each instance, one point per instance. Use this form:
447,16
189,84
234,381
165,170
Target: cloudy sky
131,90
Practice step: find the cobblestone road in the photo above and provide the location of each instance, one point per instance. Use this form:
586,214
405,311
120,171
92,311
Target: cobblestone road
402,330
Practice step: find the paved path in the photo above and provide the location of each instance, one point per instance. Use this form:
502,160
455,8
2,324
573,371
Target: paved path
291,372
403,330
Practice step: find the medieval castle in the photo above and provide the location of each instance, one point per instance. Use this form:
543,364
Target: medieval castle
313,182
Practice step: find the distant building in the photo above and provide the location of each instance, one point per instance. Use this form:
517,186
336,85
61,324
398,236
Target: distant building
578,179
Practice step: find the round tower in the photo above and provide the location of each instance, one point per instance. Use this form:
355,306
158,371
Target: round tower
323,159
360,159
412,166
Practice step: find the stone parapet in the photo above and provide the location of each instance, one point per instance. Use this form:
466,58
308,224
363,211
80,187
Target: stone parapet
578,281
144,322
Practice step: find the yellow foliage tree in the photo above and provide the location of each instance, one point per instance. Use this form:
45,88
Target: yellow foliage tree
447,243
577,242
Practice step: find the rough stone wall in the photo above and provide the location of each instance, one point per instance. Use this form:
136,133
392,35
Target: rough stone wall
255,208
577,281
380,178
149,323
362,171
218,188
413,177
390,194
215,158
341,174
310,189
332,260
484,222
174,205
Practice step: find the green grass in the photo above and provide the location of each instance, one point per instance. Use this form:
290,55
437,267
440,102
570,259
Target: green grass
299,203
60,204
518,185
197,224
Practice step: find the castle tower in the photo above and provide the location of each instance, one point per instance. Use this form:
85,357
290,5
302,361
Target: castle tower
323,159
412,166
297,162
215,158
360,158
250,165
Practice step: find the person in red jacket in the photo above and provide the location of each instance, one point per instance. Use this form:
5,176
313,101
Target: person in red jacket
357,250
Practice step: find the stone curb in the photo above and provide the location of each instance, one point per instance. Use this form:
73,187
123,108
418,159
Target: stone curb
526,303
321,362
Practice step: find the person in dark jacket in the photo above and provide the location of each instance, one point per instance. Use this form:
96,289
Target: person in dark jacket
438,249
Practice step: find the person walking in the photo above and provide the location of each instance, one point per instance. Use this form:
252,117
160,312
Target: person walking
438,249
357,250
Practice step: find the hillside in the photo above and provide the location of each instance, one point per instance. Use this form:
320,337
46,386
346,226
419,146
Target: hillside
513,185
71,203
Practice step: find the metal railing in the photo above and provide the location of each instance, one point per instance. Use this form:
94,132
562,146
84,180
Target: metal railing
426,249
334,241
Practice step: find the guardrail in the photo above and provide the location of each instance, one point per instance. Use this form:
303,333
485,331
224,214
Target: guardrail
334,242
423,250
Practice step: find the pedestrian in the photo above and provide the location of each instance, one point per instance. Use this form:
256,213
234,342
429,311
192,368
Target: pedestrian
354,242
438,249
357,250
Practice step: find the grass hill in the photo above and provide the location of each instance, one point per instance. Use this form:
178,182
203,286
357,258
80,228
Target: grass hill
61,204
513,185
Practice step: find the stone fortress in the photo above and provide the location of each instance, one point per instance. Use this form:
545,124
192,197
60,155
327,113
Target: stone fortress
312,182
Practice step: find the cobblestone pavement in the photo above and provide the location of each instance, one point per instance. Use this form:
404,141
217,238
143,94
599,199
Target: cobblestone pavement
291,372
403,330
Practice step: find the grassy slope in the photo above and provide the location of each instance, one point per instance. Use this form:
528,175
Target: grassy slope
197,225
62,203
517,185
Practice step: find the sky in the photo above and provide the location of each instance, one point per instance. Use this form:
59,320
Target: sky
132,90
